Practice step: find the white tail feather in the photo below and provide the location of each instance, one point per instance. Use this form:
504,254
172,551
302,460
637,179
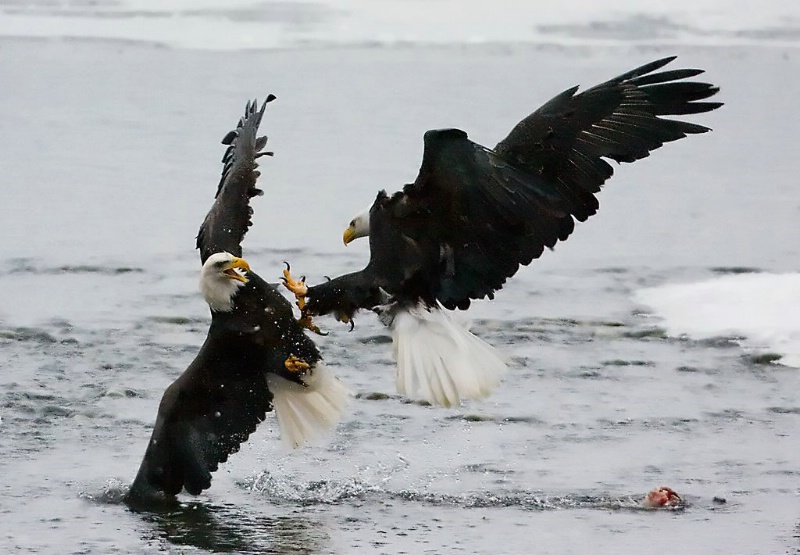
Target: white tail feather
439,360
307,413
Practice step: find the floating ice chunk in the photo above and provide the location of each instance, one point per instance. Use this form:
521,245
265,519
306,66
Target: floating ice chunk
764,309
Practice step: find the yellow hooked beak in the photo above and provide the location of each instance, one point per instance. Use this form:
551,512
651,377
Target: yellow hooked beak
349,234
239,263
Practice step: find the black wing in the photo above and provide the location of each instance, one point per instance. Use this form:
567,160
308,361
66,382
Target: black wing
566,140
214,406
203,417
227,221
473,215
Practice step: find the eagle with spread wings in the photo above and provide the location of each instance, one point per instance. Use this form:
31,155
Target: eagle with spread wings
474,215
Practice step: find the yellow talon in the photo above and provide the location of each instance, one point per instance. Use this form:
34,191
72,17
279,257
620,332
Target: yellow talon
299,288
306,322
294,364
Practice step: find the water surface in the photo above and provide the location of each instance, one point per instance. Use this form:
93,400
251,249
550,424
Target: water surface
110,163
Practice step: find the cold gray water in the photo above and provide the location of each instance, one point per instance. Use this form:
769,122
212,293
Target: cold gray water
110,161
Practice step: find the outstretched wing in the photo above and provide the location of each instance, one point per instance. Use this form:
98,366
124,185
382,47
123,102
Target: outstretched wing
473,215
204,416
566,140
226,223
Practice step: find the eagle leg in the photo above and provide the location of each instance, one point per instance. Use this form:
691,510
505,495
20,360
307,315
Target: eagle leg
295,364
306,322
300,290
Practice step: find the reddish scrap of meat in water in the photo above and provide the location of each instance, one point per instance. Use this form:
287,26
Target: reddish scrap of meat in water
662,497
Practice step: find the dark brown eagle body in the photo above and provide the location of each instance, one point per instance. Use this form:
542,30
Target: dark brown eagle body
220,399
474,215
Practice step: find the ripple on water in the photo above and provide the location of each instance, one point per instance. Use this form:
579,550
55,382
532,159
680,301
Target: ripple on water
735,270
32,335
280,489
24,266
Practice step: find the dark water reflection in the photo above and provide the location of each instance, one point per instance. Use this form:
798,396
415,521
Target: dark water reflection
228,529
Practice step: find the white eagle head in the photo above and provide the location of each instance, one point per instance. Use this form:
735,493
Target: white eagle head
220,280
359,227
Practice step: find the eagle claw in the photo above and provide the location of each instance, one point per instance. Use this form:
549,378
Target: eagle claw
299,288
295,365
306,322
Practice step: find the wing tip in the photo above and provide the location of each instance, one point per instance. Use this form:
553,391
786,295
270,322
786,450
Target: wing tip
661,62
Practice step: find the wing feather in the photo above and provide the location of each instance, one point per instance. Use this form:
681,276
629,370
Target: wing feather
494,210
204,416
618,120
228,220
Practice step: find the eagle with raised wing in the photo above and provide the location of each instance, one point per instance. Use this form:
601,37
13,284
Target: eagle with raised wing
255,359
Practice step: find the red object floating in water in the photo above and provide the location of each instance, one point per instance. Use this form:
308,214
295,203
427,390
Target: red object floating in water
662,497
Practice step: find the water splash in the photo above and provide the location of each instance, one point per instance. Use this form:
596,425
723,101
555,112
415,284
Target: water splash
280,488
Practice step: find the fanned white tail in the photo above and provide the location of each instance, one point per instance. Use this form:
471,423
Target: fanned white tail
307,413
439,360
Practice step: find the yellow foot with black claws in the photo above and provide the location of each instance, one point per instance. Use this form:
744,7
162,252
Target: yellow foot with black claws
306,322
299,288
296,365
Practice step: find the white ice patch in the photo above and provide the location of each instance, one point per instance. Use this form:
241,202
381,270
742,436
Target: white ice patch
762,308
439,360
308,413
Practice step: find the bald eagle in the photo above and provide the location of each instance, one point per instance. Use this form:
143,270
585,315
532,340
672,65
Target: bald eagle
256,356
474,215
